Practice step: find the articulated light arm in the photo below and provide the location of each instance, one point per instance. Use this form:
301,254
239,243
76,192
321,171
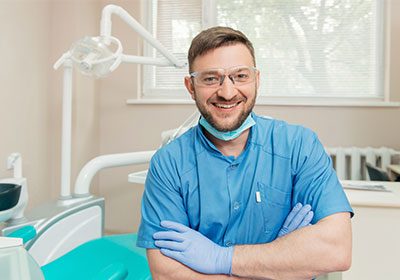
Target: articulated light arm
105,30
98,56
66,133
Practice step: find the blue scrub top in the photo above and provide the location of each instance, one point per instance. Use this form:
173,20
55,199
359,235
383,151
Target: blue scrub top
242,200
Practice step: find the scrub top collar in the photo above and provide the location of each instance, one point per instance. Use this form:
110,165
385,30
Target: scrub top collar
205,143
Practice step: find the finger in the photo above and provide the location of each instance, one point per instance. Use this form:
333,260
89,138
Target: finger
292,213
300,216
169,235
307,219
170,245
174,226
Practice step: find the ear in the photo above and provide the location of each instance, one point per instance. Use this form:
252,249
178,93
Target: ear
258,79
189,86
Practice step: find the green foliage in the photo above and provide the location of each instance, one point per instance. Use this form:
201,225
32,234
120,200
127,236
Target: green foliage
325,46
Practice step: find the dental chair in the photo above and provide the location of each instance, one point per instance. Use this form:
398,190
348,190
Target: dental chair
110,257
113,257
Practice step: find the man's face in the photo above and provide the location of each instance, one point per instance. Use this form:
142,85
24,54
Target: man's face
226,106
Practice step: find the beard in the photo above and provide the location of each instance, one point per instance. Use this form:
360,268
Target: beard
207,114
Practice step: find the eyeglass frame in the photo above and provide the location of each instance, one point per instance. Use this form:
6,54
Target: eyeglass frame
222,77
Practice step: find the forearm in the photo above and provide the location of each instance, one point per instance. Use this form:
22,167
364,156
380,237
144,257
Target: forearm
303,254
164,268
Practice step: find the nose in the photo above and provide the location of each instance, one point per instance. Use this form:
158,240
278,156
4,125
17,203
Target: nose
227,88
222,79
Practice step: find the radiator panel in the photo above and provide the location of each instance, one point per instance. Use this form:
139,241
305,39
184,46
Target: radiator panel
349,162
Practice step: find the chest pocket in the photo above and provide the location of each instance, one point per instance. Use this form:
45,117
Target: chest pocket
275,205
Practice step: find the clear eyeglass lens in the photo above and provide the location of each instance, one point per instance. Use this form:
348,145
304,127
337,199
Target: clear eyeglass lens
214,77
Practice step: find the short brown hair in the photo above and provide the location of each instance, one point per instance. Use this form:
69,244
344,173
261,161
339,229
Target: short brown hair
214,38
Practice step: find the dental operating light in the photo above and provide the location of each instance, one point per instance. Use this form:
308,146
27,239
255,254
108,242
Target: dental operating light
97,57
94,56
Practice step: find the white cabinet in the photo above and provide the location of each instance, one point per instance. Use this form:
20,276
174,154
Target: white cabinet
376,234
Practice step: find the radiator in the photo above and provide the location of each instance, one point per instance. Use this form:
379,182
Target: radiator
349,163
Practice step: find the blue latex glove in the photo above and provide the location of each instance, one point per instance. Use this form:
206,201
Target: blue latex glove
299,217
194,250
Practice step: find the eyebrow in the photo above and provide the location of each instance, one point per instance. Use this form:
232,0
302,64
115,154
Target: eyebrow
216,70
210,71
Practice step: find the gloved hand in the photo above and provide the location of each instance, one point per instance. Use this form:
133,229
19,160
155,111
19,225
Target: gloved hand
193,249
299,217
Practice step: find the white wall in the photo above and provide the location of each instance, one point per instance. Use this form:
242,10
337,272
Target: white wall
24,80
35,33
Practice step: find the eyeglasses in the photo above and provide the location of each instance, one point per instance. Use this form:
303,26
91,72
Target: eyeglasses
214,78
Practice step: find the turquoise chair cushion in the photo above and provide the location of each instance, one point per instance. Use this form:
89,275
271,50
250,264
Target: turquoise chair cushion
114,257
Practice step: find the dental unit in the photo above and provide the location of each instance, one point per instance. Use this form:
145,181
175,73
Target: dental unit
54,229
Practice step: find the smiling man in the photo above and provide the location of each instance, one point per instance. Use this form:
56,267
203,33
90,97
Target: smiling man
225,200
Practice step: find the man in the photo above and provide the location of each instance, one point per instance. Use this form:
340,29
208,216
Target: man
216,198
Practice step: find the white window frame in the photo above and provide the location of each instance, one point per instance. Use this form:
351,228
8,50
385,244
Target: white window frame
149,95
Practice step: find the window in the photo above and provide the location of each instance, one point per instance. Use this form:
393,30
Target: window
304,48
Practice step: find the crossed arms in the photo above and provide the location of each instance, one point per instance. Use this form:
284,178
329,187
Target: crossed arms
303,254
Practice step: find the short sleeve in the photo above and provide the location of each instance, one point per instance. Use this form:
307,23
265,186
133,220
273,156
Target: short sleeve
315,181
161,200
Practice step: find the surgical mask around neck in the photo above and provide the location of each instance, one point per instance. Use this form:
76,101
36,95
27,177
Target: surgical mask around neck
228,135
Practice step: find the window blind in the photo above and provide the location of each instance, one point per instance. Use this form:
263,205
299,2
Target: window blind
175,24
312,48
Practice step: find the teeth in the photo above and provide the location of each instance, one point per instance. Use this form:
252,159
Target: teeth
226,106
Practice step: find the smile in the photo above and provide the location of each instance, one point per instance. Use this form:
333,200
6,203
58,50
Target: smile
226,106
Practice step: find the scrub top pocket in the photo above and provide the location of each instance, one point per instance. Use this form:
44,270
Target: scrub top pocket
275,206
